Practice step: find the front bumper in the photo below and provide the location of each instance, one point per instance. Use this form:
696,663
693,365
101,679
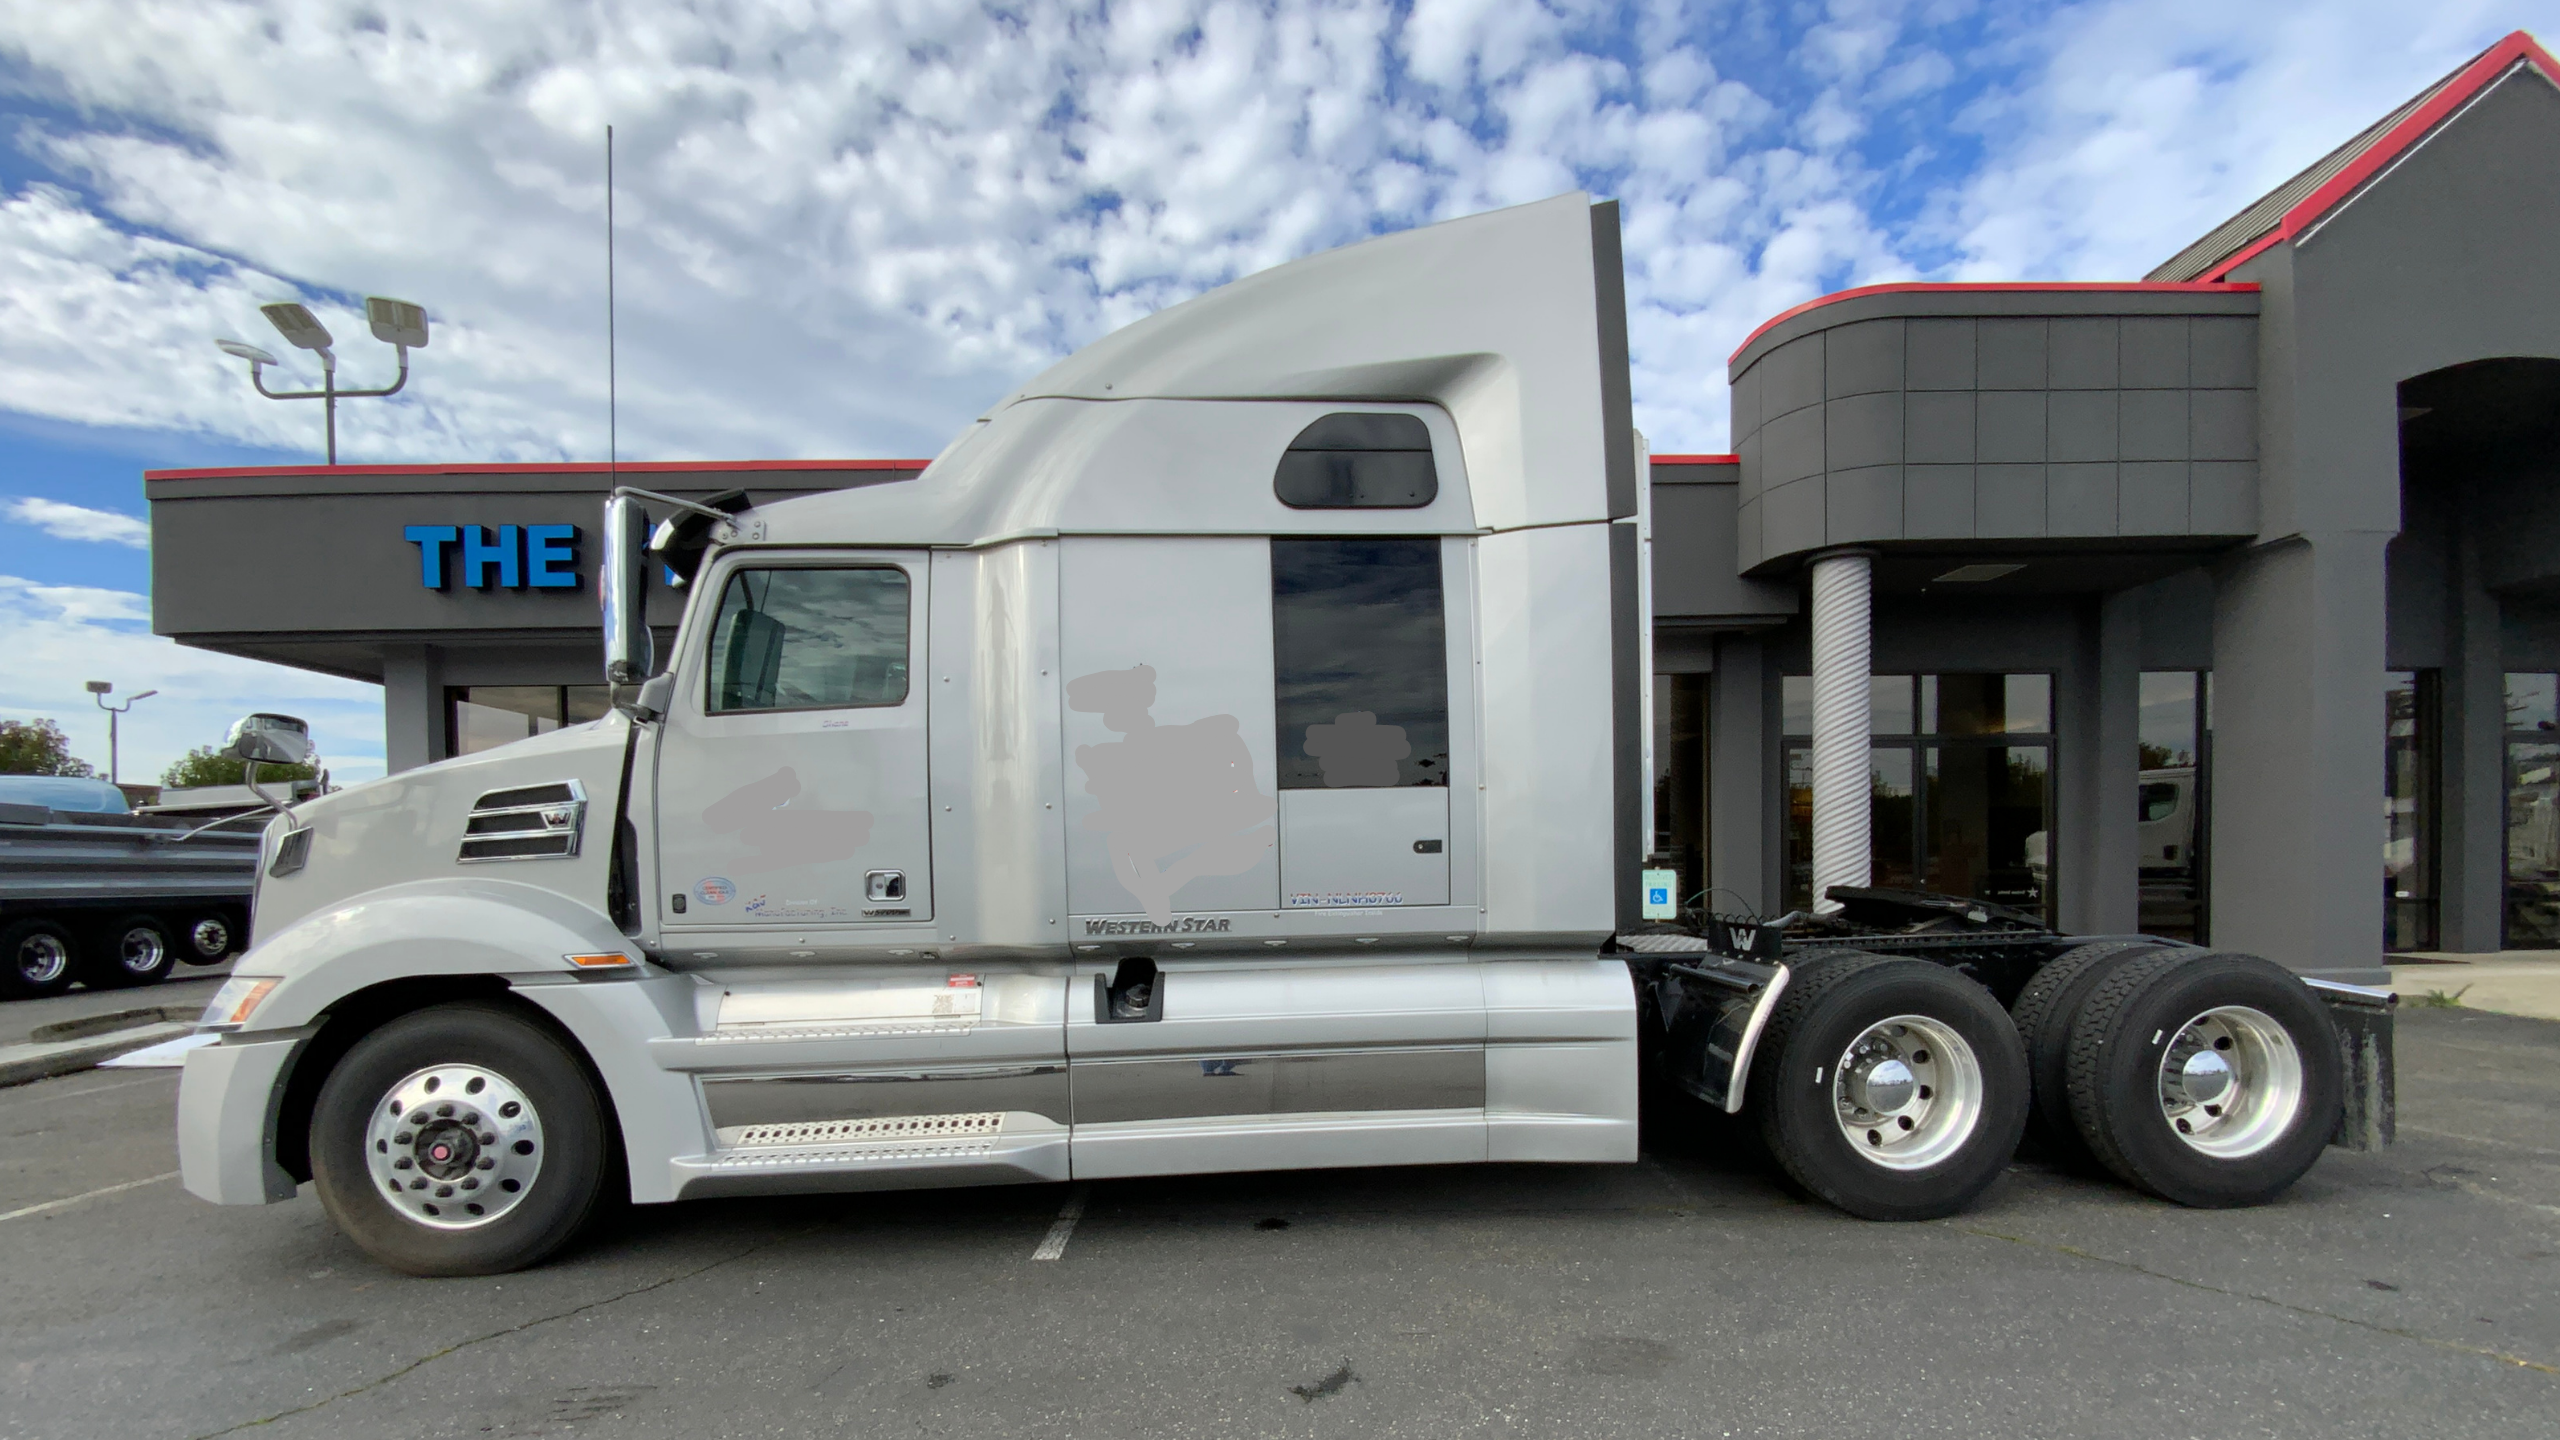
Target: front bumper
228,1100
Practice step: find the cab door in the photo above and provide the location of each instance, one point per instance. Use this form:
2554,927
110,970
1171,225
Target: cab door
792,783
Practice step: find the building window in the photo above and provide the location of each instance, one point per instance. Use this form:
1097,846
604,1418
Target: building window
2409,769
484,717
1680,781
2172,837
1961,781
2533,812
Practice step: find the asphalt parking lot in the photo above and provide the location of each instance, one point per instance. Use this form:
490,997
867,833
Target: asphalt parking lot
2415,1291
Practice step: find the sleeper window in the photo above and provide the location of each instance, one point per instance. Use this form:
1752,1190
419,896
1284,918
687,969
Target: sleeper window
1358,460
1361,653
803,639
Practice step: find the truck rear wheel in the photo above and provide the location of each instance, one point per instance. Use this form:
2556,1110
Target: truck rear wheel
1892,1088
459,1140
2044,1012
136,950
37,958
2208,1079
209,938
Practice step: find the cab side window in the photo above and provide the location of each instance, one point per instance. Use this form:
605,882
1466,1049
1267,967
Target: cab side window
1359,643
809,639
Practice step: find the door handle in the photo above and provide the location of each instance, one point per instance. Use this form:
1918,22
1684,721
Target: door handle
885,885
1426,847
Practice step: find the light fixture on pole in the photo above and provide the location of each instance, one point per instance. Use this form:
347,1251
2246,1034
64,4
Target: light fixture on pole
396,323
99,690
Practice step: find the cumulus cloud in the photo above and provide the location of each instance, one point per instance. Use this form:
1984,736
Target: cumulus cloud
847,225
65,521
2135,126
62,635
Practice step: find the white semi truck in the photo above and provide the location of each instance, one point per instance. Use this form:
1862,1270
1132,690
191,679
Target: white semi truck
1227,755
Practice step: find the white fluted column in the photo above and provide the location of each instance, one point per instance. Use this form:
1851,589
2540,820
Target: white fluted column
1843,617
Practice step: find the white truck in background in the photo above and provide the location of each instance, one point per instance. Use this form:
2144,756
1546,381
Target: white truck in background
1228,755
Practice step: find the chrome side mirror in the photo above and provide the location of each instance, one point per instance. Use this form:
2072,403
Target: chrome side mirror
264,739
622,588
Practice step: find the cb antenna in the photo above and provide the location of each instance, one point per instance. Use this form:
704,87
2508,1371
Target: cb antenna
612,387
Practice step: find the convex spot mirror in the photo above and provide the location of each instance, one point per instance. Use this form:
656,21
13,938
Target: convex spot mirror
266,739
683,538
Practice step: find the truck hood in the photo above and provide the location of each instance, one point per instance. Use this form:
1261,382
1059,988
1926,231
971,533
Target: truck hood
411,826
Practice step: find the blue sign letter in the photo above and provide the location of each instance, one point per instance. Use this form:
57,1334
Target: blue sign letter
546,546
430,540
478,555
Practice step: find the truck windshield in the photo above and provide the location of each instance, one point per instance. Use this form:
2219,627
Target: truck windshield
809,638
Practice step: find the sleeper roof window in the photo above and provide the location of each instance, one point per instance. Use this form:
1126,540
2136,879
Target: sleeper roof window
1357,460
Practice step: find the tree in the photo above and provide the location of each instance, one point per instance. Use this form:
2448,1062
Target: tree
38,747
204,765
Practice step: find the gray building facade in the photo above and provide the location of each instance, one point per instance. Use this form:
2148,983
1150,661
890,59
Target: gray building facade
2222,603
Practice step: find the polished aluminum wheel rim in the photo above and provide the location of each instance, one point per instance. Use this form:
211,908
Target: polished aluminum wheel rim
1907,1093
2230,1082
211,938
141,949
454,1146
41,959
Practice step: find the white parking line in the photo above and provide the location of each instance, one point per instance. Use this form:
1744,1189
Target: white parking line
1052,1245
26,1210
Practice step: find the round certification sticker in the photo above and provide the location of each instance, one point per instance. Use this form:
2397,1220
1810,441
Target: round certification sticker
714,891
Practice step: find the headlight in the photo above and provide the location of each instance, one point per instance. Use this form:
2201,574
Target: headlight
232,1003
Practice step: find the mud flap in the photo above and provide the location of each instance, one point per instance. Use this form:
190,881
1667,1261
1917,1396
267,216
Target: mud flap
1713,1010
2368,1118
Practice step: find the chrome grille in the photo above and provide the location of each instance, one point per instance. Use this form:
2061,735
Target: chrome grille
530,822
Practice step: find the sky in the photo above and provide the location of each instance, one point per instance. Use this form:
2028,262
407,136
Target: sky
842,229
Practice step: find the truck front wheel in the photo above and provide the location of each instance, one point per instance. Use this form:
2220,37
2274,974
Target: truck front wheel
1892,1088
459,1140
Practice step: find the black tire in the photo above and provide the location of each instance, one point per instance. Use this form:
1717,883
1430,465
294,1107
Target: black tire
2044,1012
38,958
1828,1005
574,1148
208,938
2126,1029
134,950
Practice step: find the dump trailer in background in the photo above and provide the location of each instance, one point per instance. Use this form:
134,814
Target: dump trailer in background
90,892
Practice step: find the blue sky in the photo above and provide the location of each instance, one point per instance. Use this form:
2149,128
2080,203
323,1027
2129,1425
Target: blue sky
847,227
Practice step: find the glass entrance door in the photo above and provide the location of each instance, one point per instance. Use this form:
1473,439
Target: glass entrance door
2533,812
1962,788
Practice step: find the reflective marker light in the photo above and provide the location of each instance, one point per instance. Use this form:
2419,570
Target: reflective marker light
592,962
232,1003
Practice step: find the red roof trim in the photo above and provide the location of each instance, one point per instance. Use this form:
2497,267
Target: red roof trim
581,467
2195,287
1697,459
2483,72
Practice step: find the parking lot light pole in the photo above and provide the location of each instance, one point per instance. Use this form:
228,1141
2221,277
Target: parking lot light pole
396,323
99,690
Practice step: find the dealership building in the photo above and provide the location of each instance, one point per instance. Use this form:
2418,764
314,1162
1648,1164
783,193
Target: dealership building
2201,603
